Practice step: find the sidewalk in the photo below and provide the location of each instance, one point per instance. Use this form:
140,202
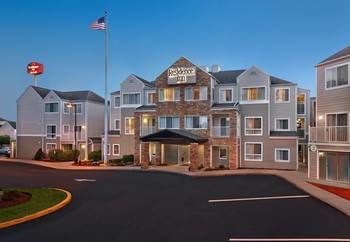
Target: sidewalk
299,179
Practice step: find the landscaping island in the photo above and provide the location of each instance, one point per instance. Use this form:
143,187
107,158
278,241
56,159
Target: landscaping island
30,203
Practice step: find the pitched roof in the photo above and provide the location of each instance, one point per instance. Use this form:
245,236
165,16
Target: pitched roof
12,123
146,107
230,77
72,95
115,92
147,83
339,54
175,136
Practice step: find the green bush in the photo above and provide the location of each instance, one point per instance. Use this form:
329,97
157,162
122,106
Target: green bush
117,162
95,155
60,155
129,159
39,155
5,140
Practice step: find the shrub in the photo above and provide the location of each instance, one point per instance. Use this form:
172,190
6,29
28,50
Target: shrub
128,159
5,140
39,155
117,162
95,155
60,155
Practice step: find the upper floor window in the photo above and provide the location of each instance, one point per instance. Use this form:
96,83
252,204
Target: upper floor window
253,151
226,95
66,107
196,122
337,119
129,125
169,94
253,126
51,107
131,98
301,104
51,131
78,108
116,124
282,155
151,97
282,124
252,94
66,129
169,122
196,93
117,101
282,95
337,76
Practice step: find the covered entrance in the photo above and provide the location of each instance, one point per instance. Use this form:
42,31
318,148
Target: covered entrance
172,147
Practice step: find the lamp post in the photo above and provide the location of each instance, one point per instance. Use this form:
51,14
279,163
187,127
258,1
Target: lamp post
71,105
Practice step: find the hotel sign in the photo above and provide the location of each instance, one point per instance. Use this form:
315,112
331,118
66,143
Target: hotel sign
181,75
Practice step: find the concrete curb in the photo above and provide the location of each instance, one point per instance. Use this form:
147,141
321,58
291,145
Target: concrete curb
40,213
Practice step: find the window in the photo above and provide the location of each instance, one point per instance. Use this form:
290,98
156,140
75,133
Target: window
130,125
196,93
253,126
50,146
131,98
169,94
51,131
196,122
117,124
78,129
226,95
117,101
337,76
301,104
252,94
51,107
65,129
282,155
337,119
282,95
66,108
108,150
282,124
253,151
223,153
151,98
116,149
168,122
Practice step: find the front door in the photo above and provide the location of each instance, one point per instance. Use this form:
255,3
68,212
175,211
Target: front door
338,166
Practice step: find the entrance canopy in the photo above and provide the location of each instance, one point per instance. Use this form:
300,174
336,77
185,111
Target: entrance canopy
173,136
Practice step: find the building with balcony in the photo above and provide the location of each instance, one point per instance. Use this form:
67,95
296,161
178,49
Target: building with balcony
51,119
330,139
236,118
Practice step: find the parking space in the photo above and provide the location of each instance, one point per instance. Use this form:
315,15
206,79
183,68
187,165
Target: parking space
157,206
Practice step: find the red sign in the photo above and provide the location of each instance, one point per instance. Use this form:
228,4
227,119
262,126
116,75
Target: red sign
35,68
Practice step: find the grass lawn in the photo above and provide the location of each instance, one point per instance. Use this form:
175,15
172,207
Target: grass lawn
42,198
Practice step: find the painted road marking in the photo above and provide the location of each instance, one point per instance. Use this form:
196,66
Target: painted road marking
255,198
84,180
288,239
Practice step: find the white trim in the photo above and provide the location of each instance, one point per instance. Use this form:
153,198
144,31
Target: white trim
304,94
114,126
266,100
262,151
146,96
120,101
63,105
50,144
332,67
173,88
339,112
55,132
31,135
223,147
125,118
282,149
221,100
167,116
285,88
245,126
50,103
199,116
116,154
276,119
129,105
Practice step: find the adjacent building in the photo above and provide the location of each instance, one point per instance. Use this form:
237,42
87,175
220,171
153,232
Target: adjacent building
8,128
190,115
50,119
330,139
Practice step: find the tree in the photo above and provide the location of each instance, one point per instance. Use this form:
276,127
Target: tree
5,140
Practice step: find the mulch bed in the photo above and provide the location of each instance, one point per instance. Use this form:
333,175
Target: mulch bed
13,198
341,192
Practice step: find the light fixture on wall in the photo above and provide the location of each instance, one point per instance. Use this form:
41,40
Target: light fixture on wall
320,117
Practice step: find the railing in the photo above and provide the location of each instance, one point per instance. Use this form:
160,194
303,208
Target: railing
148,130
330,134
220,131
70,136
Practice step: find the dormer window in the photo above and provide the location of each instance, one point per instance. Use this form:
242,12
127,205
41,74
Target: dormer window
117,101
151,98
226,95
253,94
131,98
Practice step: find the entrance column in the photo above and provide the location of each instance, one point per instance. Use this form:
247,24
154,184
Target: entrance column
194,156
144,155
158,158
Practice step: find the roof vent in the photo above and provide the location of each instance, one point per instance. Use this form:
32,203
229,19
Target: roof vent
215,68
204,68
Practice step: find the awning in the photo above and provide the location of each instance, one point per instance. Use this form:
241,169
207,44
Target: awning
173,136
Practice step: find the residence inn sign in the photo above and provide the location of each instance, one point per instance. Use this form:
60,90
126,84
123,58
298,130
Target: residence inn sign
182,75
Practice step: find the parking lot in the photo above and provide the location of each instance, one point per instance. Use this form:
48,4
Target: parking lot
157,206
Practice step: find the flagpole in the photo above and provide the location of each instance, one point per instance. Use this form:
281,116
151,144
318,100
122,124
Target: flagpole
105,156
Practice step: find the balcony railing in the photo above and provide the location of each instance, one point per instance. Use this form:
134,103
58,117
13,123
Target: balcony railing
148,130
220,131
70,136
330,134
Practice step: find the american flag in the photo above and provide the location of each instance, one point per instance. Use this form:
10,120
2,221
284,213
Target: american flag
99,24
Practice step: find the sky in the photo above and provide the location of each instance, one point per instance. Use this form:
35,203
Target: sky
283,38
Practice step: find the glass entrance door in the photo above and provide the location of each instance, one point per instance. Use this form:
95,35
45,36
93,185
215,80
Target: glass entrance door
338,166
